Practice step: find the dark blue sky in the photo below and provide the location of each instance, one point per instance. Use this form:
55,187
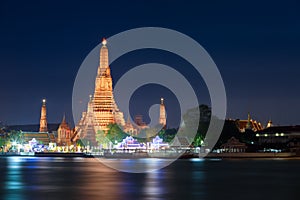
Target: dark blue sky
256,46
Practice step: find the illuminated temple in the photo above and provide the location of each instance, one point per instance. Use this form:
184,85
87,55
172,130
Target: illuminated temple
104,106
102,109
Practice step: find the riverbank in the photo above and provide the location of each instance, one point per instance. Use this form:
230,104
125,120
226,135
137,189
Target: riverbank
250,155
153,155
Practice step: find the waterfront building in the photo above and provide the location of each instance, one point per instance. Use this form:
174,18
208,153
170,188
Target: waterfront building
43,138
283,138
233,145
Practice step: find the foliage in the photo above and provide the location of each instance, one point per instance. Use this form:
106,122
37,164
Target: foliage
2,141
101,138
15,136
198,140
115,133
168,134
80,143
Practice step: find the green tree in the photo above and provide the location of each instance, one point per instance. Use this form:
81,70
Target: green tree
198,141
15,137
101,138
115,133
2,141
80,143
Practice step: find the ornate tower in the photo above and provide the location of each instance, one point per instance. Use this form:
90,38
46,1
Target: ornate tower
43,120
64,133
104,106
248,125
85,128
162,113
270,124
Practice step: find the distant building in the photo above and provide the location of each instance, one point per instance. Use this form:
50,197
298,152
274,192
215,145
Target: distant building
138,120
41,137
162,113
233,145
129,128
139,124
43,119
64,133
270,124
279,137
249,124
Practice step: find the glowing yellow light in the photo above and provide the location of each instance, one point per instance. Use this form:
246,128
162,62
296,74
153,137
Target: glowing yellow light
282,134
104,42
44,100
277,134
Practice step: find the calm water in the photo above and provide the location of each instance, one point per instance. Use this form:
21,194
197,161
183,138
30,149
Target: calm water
85,178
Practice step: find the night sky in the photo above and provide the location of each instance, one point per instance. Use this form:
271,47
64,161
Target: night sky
256,46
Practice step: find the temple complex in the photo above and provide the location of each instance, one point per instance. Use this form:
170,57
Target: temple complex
102,109
249,124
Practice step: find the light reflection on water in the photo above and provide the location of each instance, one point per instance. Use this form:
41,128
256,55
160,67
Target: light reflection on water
86,178
136,165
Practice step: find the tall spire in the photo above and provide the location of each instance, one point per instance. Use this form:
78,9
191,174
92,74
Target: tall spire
248,125
104,69
43,119
102,109
90,105
64,119
162,113
104,106
270,124
128,118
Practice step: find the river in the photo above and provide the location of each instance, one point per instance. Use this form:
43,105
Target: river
86,178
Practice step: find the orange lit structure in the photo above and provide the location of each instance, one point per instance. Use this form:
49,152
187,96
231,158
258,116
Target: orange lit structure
162,113
64,133
43,119
104,107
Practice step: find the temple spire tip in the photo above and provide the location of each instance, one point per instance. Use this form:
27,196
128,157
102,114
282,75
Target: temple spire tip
104,42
